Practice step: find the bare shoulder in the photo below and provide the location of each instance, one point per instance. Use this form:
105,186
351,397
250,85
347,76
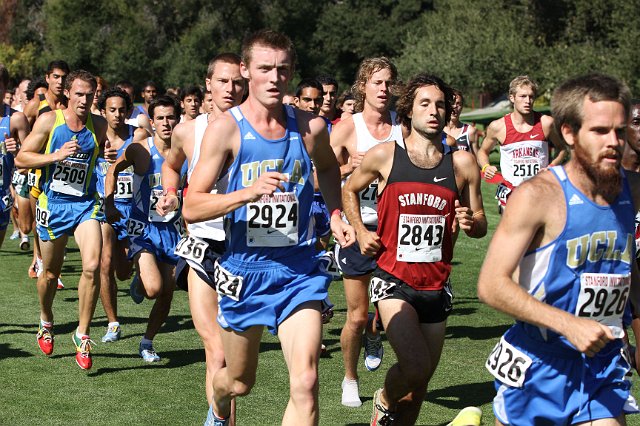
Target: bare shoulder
497,125
464,160
140,134
45,120
99,123
343,131
182,132
18,120
547,123
381,153
540,194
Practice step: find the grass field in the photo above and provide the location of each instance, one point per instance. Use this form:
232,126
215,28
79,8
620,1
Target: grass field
122,390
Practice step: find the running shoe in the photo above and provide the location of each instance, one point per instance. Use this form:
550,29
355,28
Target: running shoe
33,271
45,340
133,290
469,416
327,310
15,235
213,420
350,393
373,352
148,354
112,335
60,286
24,243
83,351
381,415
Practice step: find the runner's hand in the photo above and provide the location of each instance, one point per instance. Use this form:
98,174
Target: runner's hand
369,242
267,184
588,336
344,233
167,204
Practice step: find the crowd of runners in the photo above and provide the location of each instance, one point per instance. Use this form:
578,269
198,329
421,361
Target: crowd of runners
253,199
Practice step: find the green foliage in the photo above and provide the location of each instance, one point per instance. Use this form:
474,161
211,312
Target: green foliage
19,62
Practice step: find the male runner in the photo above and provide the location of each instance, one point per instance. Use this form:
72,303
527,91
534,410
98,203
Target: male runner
66,144
14,128
466,135
155,236
115,105
207,103
329,97
425,190
350,139
148,94
523,137
269,274
569,233
308,95
135,117
205,243
190,100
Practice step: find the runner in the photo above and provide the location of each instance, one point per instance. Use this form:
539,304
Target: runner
14,129
269,275
523,137
570,233
115,106
205,243
155,236
66,144
350,139
466,135
426,189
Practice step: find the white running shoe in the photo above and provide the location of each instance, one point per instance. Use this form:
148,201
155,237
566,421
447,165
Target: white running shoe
350,393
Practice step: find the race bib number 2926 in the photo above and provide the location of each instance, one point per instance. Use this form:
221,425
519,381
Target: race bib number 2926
508,364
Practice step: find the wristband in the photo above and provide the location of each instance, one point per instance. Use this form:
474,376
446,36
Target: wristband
171,191
336,212
484,167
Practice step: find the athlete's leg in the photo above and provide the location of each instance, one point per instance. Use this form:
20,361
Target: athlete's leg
300,336
3,232
418,348
163,298
108,287
25,218
619,421
89,239
52,259
239,375
356,293
203,302
123,266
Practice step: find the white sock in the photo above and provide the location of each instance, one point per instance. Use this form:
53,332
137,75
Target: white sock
113,324
350,397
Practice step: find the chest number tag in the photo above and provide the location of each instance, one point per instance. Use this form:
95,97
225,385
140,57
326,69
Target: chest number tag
191,248
69,177
272,221
124,187
420,238
155,196
603,298
227,284
508,364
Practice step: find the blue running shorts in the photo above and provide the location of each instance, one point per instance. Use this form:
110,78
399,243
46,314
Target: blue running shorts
55,217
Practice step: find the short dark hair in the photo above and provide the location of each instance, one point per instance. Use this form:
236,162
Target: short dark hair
192,91
165,101
226,57
114,92
404,106
267,38
568,99
34,85
58,64
125,83
82,75
308,82
456,92
327,80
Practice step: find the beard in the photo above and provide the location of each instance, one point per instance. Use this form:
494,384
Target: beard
607,180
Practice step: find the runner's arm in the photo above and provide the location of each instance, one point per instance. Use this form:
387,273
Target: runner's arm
171,173
470,214
557,144
30,155
488,143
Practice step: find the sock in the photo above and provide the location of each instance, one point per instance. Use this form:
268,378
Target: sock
46,324
79,336
113,324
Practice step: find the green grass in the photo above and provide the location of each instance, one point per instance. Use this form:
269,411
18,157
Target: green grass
121,389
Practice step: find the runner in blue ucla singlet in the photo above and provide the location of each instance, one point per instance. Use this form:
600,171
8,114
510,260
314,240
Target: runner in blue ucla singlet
269,241
6,170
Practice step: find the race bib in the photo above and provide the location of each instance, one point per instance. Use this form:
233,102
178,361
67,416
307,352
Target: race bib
124,187
420,238
526,167
155,196
7,202
272,221
603,298
227,284
502,194
178,224
32,179
42,216
508,364
1,172
191,248
135,227
69,177
18,178
380,289
369,196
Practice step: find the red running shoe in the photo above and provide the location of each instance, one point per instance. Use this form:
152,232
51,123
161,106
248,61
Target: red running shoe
45,340
83,351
